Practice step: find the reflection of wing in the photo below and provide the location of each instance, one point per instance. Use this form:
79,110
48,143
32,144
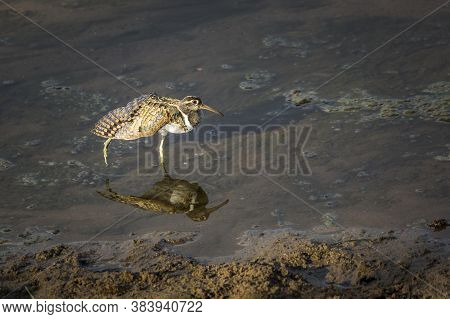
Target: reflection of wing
147,204
143,116
170,196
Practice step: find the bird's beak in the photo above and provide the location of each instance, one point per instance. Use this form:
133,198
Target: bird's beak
209,108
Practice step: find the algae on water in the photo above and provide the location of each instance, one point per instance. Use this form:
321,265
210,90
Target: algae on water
433,104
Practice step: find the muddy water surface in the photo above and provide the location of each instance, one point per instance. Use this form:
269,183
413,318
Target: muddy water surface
379,144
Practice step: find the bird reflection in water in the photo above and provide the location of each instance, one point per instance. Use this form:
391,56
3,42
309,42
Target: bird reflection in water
169,196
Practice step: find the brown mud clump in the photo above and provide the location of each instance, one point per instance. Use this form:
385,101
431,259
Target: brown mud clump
438,224
277,265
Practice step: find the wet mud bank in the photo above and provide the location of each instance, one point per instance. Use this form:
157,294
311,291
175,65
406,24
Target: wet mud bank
273,264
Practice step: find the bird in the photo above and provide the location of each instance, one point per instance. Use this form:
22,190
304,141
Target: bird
149,114
169,196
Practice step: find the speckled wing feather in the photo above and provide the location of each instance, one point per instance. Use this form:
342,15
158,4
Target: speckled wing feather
143,116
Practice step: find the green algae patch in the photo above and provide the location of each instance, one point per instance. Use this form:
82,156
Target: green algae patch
297,97
389,111
432,105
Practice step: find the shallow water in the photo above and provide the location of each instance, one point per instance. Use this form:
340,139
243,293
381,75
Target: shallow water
369,169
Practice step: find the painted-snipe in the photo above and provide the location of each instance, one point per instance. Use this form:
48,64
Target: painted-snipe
169,196
148,114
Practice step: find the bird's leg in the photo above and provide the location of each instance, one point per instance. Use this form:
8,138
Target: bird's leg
161,153
161,149
105,150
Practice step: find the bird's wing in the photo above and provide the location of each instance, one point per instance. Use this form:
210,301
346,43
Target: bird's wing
125,122
153,118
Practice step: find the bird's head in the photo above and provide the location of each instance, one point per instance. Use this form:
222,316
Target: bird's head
193,104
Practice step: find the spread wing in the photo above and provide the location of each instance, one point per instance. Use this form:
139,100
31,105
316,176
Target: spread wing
143,116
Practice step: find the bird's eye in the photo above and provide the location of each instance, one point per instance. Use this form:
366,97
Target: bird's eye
196,102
